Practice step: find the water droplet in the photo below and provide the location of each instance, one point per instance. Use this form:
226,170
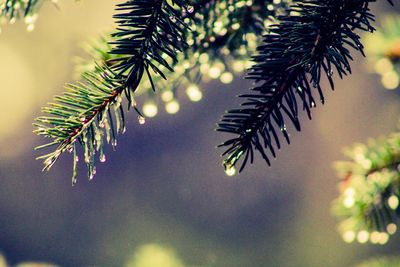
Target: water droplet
77,159
49,161
172,18
312,104
190,9
141,120
103,158
114,143
330,72
230,170
30,27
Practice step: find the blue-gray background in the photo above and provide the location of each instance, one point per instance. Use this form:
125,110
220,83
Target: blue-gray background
164,185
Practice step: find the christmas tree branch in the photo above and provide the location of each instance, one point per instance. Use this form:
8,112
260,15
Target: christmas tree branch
148,32
313,40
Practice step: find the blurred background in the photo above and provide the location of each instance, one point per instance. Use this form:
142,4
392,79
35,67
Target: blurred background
163,198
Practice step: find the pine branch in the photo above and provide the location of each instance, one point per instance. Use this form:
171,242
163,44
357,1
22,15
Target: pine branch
91,110
313,40
370,190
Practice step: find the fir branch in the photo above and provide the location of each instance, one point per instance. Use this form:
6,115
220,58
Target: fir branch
313,40
91,110
370,190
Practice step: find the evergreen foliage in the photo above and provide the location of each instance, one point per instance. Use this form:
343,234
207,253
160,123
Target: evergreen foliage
146,44
90,113
312,41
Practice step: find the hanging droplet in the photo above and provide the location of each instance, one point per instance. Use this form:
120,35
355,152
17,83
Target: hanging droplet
230,170
87,157
92,172
172,18
114,143
49,161
30,27
103,158
190,9
330,72
141,120
77,159
91,176
312,104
